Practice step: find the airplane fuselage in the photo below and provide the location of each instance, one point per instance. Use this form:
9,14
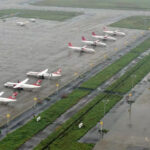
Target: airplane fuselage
94,43
104,38
3,99
44,75
21,23
115,33
22,86
82,49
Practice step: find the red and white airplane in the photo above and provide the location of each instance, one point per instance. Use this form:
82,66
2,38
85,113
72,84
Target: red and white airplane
81,49
44,74
114,33
104,38
9,99
93,43
23,85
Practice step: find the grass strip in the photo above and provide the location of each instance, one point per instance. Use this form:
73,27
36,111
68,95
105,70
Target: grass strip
39,14
134,22
107,4
133,76
15,139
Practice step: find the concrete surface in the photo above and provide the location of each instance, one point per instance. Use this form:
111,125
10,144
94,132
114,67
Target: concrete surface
127,132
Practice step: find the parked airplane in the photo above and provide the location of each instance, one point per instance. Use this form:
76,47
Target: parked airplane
81,49
44,74
116,32
9,99
32,19
104,38
23,85
93,43
21,23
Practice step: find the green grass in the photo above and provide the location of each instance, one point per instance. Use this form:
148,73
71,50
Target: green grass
134,22
109,71
70,138
15,139
40,14
112,4
139,71
112,69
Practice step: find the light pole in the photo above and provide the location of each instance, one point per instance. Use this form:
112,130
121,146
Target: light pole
8,119
133,77
57,86
35,102
101,128
105,103
76,74
130,102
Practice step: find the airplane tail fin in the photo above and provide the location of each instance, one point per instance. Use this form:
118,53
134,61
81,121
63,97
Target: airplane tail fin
38,83
70,44
83,38
13,96
93,33
58,71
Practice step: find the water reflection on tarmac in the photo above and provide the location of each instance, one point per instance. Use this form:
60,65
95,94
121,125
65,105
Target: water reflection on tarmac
130,133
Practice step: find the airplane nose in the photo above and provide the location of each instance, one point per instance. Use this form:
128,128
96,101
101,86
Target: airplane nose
5,84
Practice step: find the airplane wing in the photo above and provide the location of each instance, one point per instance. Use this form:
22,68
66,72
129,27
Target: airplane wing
1,93
43,72
22,82
7,100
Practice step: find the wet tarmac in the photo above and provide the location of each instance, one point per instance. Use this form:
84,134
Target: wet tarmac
43,45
